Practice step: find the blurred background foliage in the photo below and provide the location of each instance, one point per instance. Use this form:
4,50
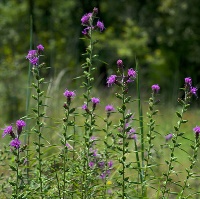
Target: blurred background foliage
163,35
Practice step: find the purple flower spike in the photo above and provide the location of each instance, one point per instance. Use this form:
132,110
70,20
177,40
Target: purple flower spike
40,47
197,131
100,25
168,137
188,81
15,143
109,108
155,88
111,80
95,100
7,130
119,63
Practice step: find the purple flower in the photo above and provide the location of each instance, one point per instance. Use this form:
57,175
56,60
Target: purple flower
188,81
86,31
103,175
31,54
110,164
69,94
95,10
15,143
132,73
84,107
168,137
119,63
134,137
155,88
111,80
7,130
20,124
193,90
40,47
91,164
100,25
197,131
95,100
109,108
34,60
85,18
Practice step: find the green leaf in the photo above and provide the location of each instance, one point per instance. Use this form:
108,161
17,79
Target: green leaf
178,114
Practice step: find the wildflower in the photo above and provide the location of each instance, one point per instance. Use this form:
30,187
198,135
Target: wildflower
155,88
109,182
109,108
95,10
31,54
40,47
103,175
85,18
86,31
15,143
110,164
131,73
7,130
119,63
100,25
20,124
111,80
69,95
188,81
193,90
34,61
95,101
168,137
84,107
197,131
91,164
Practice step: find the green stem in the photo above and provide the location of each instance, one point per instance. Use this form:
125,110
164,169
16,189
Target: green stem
193,161
141,127
172,158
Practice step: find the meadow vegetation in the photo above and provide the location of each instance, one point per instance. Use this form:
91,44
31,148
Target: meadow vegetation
117,142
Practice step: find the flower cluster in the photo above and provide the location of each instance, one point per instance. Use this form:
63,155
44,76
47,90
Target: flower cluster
15,136
87,21
189,88
114,79
33,55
